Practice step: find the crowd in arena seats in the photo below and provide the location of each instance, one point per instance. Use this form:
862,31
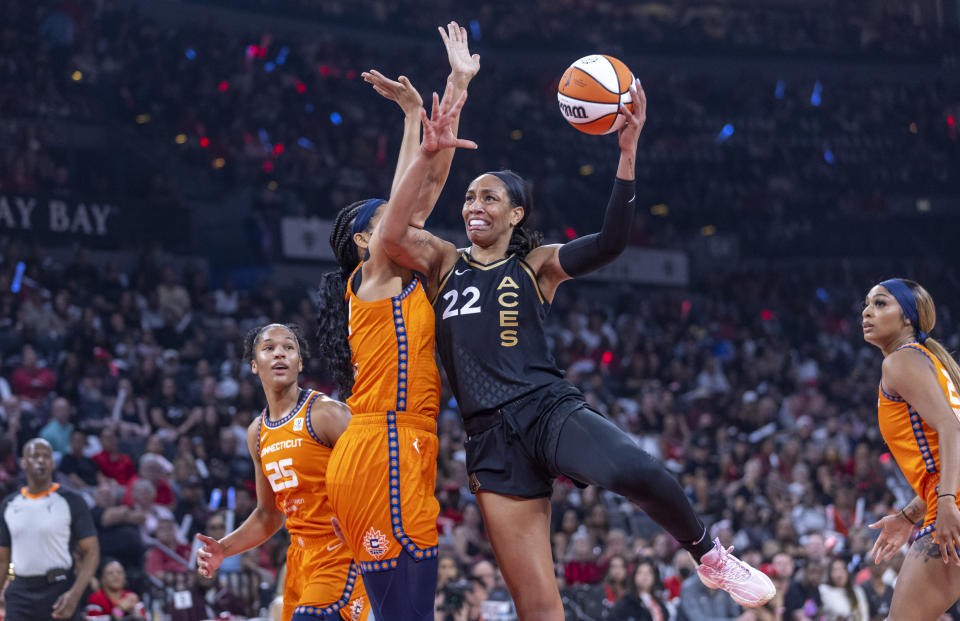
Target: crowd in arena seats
289,117
889,30
754,388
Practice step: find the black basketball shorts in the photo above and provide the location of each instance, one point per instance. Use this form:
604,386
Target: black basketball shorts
512,450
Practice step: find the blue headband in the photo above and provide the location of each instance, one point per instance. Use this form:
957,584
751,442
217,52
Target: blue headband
362,219
908,303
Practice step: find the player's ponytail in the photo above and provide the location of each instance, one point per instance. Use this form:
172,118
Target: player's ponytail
522,239
332,335
927,314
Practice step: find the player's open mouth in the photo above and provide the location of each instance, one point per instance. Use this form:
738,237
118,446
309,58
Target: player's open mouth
476,224
280,367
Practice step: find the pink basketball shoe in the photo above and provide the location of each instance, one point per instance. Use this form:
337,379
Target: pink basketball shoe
749,587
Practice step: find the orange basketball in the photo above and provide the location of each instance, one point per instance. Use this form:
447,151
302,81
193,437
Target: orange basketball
591,91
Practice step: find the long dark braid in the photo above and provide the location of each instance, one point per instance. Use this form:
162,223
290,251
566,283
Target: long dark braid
522,239
332,333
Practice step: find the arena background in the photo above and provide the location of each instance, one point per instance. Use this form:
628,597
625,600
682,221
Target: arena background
169,170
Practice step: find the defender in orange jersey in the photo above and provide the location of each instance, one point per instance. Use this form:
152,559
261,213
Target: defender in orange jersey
376,332
919,415
291,443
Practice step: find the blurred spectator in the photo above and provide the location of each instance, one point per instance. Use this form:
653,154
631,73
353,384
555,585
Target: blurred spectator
113,602
133,426
582,566
486,573
217,528
879,594
698,602
448,570
169,414
112,463
144,495
842,600
642,599
172,296
159,560
80,470
57,431
616,581
31,381
803,601
469,538
191,502
153,468
118,528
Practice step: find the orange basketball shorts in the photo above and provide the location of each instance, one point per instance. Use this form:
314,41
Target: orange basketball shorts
931,489
322,580
380,481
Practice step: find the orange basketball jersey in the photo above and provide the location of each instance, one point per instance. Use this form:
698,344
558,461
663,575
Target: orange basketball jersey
383,470
392,341
321,573
913,443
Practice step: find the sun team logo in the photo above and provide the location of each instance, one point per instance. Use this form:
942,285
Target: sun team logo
298,423
375,543
356,608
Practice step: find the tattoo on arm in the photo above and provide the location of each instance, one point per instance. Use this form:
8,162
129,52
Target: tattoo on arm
916,509
423,238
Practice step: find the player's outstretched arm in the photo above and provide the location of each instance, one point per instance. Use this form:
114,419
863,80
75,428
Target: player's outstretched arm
463,67
406,96
557,263
908,373
404,244
260,526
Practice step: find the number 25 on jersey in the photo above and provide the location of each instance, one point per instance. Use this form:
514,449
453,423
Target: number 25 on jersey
281,474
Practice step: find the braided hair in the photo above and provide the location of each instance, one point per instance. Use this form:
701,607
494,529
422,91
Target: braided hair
332,331
522,239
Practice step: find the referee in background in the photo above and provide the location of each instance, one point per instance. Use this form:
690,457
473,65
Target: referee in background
39,527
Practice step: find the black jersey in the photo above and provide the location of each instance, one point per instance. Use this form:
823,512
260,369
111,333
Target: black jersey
490,333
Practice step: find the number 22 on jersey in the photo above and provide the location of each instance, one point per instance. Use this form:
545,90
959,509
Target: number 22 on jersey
281,474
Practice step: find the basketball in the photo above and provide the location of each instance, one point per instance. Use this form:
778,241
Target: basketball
591,91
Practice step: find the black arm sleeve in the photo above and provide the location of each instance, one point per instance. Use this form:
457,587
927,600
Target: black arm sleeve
591,252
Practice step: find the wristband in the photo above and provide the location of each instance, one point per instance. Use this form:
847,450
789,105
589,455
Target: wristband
939,496
904,514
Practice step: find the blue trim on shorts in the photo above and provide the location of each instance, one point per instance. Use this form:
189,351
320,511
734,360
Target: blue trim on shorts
368,567
321,611
417,553
396,515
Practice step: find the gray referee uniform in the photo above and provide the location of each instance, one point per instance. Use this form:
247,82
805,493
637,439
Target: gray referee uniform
41,530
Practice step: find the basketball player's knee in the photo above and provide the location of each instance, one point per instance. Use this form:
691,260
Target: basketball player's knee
635,471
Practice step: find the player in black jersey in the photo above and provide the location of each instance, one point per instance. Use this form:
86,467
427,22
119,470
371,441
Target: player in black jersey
525,423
